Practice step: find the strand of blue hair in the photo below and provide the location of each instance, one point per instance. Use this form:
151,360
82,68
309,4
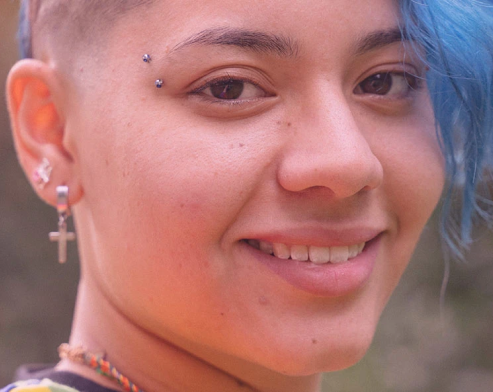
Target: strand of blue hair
455,40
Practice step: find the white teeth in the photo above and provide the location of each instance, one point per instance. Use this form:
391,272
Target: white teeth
266,247
339,254
315,254
299,252
353,251
319,255
281,251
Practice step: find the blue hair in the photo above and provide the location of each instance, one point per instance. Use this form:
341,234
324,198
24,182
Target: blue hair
455,40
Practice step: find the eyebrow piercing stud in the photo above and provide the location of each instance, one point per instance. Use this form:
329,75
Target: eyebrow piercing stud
146,58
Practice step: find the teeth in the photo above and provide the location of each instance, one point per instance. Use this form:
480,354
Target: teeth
319,255
254,243
299,252
339,254
282,251
266,247
353,251
315,254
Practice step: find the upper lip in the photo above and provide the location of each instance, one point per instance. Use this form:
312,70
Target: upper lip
316,236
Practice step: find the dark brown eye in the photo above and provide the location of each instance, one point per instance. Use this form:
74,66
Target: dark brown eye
379,84
227,89
391,84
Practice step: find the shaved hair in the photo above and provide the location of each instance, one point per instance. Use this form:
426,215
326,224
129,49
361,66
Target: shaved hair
68,23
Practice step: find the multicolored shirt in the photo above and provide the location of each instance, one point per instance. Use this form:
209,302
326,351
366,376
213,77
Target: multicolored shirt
44,378
45,385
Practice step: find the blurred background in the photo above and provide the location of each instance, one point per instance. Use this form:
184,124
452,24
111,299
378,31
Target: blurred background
419,346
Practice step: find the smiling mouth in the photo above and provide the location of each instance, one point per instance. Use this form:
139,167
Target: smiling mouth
308,253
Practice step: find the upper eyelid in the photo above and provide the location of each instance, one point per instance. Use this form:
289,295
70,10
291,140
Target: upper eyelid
224,79
397,67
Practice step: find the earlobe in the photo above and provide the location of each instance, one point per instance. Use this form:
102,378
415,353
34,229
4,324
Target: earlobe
35,96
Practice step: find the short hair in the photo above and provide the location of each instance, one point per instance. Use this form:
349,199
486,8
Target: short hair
70,19
457,38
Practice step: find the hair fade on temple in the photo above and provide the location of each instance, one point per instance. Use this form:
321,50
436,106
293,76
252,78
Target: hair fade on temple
68,16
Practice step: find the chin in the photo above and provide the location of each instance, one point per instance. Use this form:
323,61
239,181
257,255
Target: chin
319,357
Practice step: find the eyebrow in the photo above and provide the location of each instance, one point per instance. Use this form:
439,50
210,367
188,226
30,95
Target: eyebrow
280,45
244,39
379,39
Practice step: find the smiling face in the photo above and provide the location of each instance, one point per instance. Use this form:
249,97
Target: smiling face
297,128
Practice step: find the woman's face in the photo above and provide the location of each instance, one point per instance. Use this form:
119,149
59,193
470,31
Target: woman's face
298,127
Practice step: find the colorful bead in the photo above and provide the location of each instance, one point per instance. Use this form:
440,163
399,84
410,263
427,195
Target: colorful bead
100,365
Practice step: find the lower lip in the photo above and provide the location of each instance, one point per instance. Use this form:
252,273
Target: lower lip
325,280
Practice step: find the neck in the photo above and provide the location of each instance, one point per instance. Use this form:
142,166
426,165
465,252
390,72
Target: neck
166,365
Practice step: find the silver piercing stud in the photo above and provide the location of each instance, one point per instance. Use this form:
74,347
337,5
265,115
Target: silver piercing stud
62,236
159,83
146,58
42,174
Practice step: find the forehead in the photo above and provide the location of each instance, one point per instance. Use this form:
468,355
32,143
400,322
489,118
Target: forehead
170,23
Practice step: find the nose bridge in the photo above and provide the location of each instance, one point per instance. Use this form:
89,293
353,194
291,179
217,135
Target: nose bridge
328,149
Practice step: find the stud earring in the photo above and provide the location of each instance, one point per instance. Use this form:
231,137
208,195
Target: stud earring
159,83
62,236
42,174
146,58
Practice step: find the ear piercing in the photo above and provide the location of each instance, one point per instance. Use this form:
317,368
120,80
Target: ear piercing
146,58
42,174
62,236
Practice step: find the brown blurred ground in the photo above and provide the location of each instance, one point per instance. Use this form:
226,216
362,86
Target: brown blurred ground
418,347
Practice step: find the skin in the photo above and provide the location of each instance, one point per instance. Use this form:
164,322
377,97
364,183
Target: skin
165,183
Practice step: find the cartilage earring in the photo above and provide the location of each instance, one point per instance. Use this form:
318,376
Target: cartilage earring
159,83
62,236
42,174
146,58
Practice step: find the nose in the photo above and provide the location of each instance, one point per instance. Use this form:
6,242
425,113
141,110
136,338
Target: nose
327,149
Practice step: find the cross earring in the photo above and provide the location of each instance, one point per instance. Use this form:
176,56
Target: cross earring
62,236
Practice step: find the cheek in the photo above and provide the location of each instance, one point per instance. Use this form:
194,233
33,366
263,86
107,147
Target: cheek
416,175
168,199
413,183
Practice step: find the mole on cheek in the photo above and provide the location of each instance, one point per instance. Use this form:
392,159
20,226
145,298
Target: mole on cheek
314,341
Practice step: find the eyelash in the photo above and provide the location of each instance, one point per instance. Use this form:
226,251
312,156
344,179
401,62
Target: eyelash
413,83
225,81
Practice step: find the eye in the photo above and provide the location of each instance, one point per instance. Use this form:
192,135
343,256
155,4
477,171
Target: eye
390,84
231,89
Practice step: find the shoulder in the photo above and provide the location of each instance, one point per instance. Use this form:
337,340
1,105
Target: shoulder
44,385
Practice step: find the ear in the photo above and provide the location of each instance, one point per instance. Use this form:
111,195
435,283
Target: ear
35,98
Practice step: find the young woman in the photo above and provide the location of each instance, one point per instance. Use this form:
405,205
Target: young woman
248,178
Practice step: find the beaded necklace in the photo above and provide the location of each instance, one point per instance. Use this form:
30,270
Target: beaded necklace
98,363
